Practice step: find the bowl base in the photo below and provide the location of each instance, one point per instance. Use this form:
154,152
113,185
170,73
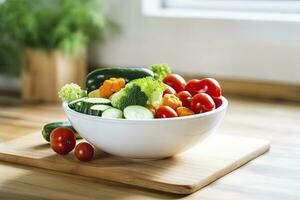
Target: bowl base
147,159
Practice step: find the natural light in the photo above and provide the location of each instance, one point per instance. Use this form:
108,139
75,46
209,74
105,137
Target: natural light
150,99
275,10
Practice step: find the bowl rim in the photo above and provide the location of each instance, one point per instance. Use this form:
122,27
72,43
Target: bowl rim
191,117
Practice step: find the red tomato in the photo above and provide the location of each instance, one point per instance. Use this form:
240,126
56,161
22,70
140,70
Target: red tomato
62,140
218,101
175,81
84,151
202,102
185,97
169,90
206,85
165,112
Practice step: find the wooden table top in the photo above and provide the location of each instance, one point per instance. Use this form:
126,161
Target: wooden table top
274,175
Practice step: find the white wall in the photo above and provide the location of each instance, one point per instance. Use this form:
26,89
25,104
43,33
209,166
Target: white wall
254,50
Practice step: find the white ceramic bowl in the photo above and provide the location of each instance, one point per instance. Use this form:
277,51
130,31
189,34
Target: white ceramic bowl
146,139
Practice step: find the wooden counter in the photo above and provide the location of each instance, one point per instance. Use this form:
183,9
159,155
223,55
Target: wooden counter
274,175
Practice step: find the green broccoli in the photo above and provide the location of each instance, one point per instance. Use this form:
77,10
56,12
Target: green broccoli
160,71
70,92
130,95
152,88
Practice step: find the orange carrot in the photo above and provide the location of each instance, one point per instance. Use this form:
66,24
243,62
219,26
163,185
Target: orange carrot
172,100
111,86
184,111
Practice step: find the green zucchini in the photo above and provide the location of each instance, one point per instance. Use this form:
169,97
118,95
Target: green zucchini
48,128
96,78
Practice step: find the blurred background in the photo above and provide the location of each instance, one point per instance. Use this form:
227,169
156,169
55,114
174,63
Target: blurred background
251,46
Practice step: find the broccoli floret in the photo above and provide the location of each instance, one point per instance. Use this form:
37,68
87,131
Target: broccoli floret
152,88
160,71
70,92
130,95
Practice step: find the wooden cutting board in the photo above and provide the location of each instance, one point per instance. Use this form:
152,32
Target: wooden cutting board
183,174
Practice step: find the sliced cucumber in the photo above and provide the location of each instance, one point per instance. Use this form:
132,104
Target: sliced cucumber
93,101
112,113
137,112
73,103
88,102
84,105
79,107
48,128
97,110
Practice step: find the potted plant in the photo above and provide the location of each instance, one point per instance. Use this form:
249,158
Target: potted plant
53,36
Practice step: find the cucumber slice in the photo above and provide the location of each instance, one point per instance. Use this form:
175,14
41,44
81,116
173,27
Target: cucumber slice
88,102
112,113
79,107
48,128
97,110
73,103
137,112
93,101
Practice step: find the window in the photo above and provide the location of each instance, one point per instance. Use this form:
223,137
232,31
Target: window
279,10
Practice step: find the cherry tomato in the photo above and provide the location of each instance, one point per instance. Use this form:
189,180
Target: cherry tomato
202,102
62,140
185,97
175,81
206,85
84,151
169,90
218,101
165,112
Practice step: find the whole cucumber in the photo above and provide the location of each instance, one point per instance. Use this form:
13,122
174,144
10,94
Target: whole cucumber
96,78
48,128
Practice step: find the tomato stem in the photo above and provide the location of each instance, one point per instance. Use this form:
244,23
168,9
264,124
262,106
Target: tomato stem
68,141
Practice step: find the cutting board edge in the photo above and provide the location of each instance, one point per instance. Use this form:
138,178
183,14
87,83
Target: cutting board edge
150,184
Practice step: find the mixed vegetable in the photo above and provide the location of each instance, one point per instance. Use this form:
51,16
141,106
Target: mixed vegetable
142,93
131,93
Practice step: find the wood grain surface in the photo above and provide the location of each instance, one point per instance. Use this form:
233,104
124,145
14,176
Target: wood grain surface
183,174
272,176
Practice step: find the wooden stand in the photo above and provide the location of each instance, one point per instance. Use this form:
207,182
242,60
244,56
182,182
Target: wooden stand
45,73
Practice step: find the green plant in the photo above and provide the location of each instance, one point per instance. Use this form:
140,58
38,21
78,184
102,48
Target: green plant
67,25
10,59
